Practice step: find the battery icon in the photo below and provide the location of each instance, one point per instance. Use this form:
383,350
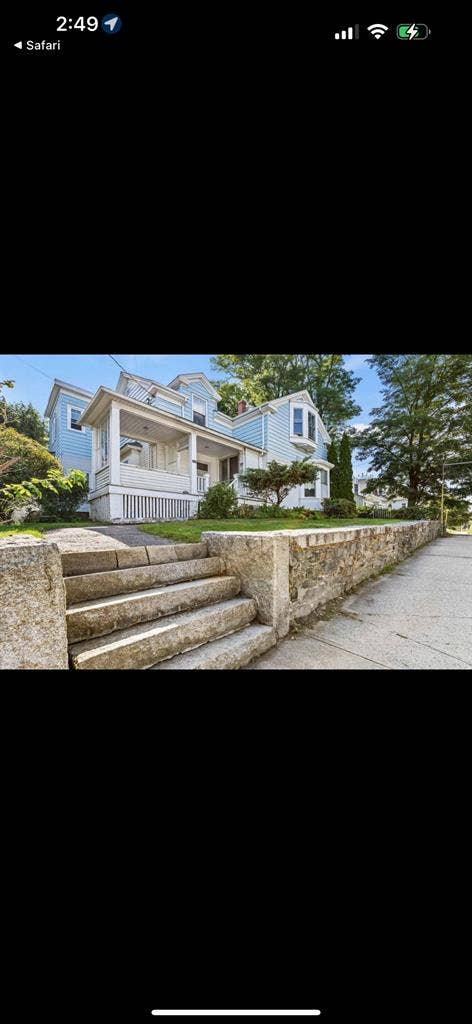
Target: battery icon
414,31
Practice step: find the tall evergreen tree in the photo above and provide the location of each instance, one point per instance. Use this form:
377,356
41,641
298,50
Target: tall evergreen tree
333,456
425,420
345,470
26,420
263,377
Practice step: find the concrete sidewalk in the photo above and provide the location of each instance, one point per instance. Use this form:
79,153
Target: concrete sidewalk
417,616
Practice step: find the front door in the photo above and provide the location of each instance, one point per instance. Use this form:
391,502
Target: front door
233,466
223,470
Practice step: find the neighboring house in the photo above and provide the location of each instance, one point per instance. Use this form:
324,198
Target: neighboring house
377,498
155,449
69,441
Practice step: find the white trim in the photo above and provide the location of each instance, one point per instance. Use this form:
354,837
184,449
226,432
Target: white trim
204,402
80,429
187,378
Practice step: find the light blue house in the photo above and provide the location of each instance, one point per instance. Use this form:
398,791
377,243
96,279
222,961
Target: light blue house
68,441
152,450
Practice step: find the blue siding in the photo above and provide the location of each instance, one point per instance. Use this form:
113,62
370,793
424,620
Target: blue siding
161,403
73,448
278,441
250,432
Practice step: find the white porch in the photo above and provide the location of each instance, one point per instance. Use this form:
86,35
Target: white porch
147,467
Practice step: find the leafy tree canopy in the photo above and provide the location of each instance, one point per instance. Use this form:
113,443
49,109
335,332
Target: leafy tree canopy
264,377
425,420
26,458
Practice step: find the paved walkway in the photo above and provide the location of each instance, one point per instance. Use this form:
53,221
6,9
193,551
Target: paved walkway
417,616
101,538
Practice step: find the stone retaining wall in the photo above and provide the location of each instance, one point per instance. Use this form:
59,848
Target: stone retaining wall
290,573
32,605
324,564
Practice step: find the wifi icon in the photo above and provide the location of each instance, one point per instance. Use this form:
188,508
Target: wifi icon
377,30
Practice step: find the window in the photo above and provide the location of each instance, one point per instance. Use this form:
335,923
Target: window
324,476
73,415
298,422
311,426
199,412
310,491
356,488
53,429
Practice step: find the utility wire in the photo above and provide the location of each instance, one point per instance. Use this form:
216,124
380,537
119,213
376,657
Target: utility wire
33,367
132,375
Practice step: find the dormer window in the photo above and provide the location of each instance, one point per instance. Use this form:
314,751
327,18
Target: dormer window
298,421
303,426
199,411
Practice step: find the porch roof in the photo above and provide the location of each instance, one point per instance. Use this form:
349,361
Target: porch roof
102,399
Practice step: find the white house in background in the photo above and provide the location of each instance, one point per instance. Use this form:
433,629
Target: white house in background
153,450
376,498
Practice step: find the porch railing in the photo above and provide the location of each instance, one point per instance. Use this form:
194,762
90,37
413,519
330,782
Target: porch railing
203,483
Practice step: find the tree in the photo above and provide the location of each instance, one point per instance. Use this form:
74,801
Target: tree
324,376
3,401
333,456
231,393
26,420
31,458
274,483
344,483
425,419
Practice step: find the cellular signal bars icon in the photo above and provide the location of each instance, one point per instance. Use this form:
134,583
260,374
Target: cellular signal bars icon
348,33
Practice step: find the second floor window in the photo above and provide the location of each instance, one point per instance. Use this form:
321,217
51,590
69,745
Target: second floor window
199,412
324,477
74,417
298,422
312,426
53,429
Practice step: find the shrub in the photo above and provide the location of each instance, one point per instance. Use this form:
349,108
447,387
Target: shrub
70,492
31,458
220,502
365,512
59,496
339,508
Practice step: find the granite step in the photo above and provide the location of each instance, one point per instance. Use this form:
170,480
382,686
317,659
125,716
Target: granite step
229,652
108,614
91,586
144,645
79,563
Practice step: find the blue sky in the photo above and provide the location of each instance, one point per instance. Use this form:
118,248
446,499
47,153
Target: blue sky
33,375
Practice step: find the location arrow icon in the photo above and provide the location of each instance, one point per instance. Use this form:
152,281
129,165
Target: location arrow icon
19,45
112,22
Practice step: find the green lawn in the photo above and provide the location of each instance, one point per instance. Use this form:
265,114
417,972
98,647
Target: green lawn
192,530
37,529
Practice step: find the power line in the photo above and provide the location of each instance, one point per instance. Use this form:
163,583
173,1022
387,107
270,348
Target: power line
132,375
33,367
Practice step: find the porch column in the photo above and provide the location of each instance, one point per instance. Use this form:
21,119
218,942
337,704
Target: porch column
94,462
114,444
193,463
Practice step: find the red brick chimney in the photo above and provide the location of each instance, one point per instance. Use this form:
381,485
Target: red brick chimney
242,406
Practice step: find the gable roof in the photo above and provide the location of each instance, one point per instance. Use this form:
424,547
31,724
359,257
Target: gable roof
62,385
186,378
155,388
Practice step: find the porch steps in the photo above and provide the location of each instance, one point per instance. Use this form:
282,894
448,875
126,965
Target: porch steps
148,643
169,606
230,652
108,614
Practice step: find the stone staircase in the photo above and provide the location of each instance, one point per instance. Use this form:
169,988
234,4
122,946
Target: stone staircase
159,607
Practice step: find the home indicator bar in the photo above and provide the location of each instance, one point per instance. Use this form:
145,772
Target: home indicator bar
236,1013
